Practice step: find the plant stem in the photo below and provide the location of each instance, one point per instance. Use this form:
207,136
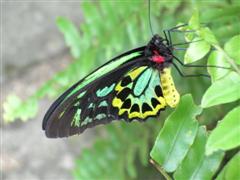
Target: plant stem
229,59
160,169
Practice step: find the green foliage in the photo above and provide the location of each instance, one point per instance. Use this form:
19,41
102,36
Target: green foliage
222,91
13,106
196,50
192,161
177,135
231,170
196,165
232,48
180,145
229,126
217,58
71,35
114,156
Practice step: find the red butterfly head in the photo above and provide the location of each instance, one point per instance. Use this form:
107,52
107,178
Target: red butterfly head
158,50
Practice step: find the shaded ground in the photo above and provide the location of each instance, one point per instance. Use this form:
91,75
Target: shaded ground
32,50
30,32
27,153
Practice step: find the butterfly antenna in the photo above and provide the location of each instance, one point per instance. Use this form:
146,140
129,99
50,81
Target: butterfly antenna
149,16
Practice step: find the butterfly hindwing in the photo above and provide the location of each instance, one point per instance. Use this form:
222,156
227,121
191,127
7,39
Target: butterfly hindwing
139,94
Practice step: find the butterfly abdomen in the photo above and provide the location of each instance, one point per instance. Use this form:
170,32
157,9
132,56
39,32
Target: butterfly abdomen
170,93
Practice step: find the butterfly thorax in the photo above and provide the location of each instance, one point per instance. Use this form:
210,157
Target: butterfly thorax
159,52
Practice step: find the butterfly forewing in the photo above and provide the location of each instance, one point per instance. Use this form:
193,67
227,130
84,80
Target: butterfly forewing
96,88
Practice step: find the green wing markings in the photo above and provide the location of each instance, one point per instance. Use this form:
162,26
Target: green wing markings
100,116
103,103
142,82
61,114
75,104
74,91
108,68
86,121
105,91
102,71
76,118
91,105
81,94
149,93
77,122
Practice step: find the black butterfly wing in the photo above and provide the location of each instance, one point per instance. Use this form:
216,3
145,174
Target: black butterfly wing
129,87
60,119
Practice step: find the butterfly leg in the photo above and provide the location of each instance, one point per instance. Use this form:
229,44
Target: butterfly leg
168,32
175,29
180,49
189,75
179,44
199,66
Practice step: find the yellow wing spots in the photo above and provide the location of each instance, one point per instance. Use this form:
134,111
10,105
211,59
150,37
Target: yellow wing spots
151,113
161,105
134,115
121,111
119,87
139,114
162,102
117,102
170,93
142,115
148,104
133,74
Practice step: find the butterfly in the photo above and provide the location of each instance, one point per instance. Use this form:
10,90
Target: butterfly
135,85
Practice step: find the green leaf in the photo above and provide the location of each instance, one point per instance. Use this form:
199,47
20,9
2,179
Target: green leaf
71,34
232,48
196,50
215,14
131,169
109,158
15,108
217,58
131,33
196,165
194,21
227,133
177,135
222,91
207,35
144,149
231,170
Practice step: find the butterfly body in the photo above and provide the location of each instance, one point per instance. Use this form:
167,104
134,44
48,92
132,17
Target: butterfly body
133,86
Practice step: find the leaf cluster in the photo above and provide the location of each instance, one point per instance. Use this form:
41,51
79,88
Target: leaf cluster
185,147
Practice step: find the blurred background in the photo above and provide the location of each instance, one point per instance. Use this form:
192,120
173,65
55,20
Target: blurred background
32,51
48,45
